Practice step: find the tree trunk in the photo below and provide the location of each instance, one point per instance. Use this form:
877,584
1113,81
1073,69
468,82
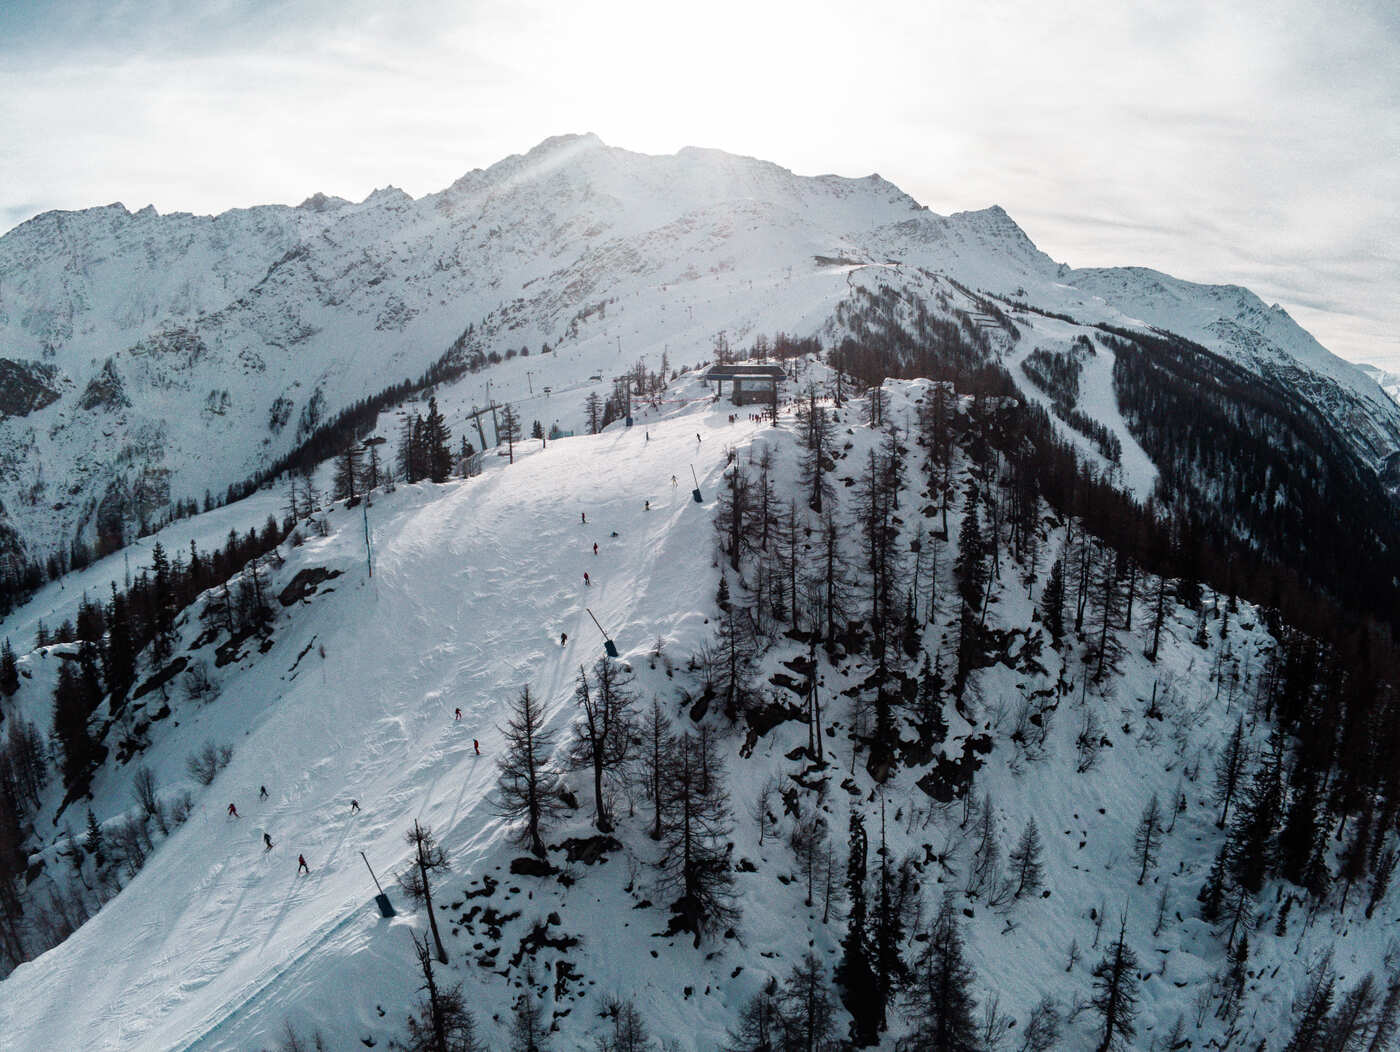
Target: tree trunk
428,904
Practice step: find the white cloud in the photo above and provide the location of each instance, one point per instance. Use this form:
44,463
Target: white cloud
1253,143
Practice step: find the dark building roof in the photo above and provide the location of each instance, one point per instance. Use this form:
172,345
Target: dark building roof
745,372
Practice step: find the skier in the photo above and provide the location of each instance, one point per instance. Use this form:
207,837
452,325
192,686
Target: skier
354,805
477,746
673,481
302,867
563,639
233,811
595,547
697,436
262,792
583,517
586,581
267,841
457,715
646,505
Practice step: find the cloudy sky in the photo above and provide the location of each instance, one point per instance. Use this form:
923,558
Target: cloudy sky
1248,142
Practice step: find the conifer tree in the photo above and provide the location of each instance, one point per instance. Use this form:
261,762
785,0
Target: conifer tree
732,518
526,788
348,474
442,1022
1387,1023
695,861
9,670
410,452
1229,770
807,1016
72,705
428,859
1251,837
1026,867
1313,1005
629,1032
1148,837
509,429
1115,994
1380,880
655,753
969,568
1104,603
984,872
1300,828
603,734
733,652
1352,1020
436,444
1355,854
593,412
939,1000
1212,892
856,972
529,1032
929,719
1052,602
887,929
761,1022
162,600
808,842
92,841
832,585
817,436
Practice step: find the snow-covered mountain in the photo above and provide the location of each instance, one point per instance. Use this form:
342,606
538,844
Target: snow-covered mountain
152,359
1389,382
987,516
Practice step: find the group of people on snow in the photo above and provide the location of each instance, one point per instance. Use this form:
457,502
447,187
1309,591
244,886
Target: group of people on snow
302,867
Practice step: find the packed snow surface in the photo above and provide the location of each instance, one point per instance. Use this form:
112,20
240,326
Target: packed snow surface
473,585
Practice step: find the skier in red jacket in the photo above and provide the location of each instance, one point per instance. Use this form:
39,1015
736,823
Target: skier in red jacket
302,867
232,811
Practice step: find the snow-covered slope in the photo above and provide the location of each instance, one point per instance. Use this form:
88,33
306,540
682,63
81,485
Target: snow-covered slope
157,358
214,941
217,944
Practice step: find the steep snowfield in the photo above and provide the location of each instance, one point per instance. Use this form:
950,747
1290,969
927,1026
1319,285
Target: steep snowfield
215,940
191,350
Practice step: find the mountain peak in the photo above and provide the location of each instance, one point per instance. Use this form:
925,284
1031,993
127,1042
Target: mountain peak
319,202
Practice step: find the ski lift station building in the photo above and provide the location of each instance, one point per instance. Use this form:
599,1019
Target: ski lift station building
748,383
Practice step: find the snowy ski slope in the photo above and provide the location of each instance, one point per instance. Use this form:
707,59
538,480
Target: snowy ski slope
473,584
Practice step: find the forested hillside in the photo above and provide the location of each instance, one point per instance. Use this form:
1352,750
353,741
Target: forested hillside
923,732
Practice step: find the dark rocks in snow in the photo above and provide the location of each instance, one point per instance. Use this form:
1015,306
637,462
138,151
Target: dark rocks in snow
529,866
25,387
763,718
588,850
159,679
105,390
305,583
